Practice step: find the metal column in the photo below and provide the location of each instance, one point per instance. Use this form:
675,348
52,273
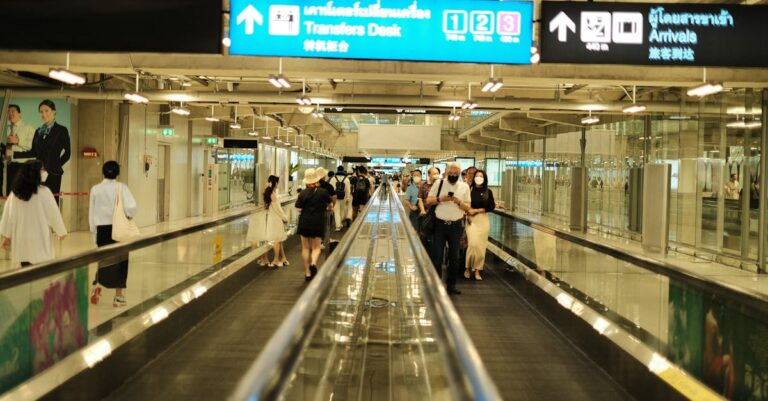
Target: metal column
761,233
579,193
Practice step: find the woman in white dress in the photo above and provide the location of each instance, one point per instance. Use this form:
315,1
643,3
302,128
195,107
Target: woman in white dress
273,224
28,217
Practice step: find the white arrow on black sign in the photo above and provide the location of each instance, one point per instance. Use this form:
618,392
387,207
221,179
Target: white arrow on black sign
250,15
562,24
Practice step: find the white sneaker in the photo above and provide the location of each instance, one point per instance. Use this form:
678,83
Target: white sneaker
119,301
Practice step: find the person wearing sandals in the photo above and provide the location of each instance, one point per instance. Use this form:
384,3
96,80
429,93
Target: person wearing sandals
28,216
276,221
111,273
478,224
312,204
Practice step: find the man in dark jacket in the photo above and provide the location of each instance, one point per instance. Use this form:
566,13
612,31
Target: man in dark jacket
51,145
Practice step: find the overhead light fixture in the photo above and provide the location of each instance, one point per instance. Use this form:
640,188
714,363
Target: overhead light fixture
590,119
235,125
493,85
136,97
745,123
186,83
705,89
212,118
469,104
304,101
66,76
279,81
226,42
253,133
180,110
679,117
295,146
454,116
635,108
318,113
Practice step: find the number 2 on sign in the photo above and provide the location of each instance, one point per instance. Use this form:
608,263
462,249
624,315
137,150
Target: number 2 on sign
482,22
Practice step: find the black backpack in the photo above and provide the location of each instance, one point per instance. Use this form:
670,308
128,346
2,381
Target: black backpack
341,188
361,187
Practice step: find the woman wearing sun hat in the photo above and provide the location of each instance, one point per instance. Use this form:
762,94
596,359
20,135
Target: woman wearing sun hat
312,203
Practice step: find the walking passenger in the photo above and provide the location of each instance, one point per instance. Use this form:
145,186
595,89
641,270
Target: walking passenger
111,273
276,219
433,175
362,191
342,189
478,224
411,200
28,217
452,199
329,218
312,203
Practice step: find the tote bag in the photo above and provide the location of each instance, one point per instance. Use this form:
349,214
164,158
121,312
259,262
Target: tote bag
123,228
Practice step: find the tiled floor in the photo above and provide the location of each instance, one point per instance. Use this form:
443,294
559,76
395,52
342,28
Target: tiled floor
716,272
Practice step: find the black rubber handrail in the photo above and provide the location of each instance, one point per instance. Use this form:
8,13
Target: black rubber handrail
42,270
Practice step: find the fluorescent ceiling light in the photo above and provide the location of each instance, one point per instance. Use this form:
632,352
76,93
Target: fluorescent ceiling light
182,111
750,124
235,126
253,133
212,119
493,85
589,120
136,97
295,146
279,81
278,141
705,89
304,101
287,144
68,77
469,105
266,137
635,108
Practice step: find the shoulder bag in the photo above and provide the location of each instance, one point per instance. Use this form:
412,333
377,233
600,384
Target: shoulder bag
123,228
427,227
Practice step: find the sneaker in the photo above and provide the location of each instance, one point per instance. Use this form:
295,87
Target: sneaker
478,277
466,274
119,301
313,270
96,295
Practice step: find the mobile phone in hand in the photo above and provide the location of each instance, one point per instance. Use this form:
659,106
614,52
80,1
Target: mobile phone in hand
450,194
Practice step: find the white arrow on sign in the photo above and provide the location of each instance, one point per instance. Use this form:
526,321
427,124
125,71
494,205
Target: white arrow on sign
249,16
562,24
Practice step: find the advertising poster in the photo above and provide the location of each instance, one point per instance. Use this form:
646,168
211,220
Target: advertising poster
40,324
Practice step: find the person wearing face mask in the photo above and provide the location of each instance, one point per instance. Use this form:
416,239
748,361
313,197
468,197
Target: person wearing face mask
51,146
452,199
433,175
412,198
478,225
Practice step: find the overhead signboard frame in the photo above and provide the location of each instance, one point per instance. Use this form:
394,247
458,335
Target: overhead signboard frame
654,34
467,31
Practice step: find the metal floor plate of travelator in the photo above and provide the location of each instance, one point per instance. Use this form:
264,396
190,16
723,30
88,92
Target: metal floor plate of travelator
374,341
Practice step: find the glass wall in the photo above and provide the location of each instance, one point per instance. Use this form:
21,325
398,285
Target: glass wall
713,148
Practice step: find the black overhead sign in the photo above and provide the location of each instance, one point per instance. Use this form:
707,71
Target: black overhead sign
175,26
654,34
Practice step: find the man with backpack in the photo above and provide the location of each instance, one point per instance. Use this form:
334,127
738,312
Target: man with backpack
361,191
343,191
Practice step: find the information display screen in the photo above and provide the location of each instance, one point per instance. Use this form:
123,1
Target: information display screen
654,34
425,30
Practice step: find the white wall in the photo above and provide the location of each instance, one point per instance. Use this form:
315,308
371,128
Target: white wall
141,142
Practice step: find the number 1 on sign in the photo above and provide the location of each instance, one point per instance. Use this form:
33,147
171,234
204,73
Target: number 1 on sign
454,21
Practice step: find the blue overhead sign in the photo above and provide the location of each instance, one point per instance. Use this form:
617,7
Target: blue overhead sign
467,31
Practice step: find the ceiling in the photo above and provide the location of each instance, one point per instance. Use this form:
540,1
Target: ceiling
352,92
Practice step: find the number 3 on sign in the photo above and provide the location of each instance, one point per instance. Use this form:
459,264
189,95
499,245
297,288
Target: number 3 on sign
509,23
454,21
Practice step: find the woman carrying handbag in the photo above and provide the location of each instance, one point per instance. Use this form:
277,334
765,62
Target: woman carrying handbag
110,216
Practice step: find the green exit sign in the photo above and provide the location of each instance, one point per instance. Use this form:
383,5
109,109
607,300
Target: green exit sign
212,141
167,131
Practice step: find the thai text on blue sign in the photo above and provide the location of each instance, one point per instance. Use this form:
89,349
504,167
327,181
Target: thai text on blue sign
427,30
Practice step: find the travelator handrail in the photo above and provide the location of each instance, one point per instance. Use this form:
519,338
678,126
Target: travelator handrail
465,355
42,270
270,373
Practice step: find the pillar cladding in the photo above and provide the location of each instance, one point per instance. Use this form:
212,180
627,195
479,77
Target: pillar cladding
578,199
656,193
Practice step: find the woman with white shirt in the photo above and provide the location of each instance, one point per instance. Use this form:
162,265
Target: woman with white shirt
28,217
113,273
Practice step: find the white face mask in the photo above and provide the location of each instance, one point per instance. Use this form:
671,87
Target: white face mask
479,180
43,176
436,177
416,180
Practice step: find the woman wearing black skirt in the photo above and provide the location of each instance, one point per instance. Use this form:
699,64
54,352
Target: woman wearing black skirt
312,204
112,273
